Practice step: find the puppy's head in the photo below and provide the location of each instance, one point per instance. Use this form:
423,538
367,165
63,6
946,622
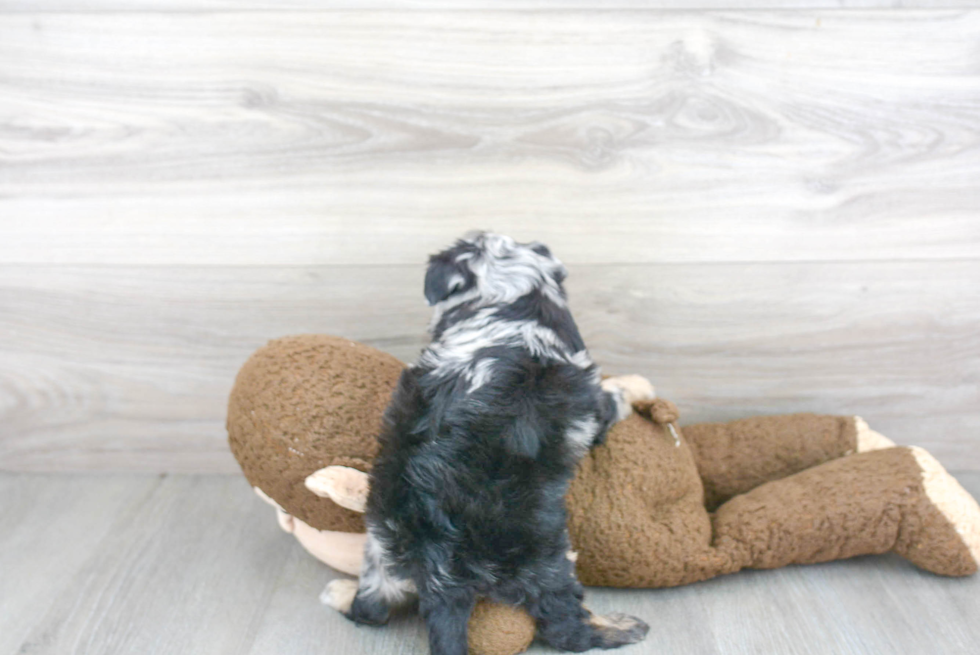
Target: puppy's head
492,268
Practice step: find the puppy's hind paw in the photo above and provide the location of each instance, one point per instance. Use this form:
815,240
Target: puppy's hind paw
339,594
617,629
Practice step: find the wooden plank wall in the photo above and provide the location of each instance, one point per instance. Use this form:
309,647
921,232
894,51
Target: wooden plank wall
762,211
85,6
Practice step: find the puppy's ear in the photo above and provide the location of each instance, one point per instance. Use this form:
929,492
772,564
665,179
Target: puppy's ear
444,278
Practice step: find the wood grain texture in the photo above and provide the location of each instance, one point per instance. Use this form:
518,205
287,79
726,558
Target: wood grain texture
763,211
130,368
196,564
278,138
50,528
167,576
44,6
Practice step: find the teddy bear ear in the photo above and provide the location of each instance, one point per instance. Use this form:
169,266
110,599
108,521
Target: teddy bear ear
344,485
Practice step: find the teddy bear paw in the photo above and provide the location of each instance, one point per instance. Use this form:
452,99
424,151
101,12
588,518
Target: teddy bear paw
628,390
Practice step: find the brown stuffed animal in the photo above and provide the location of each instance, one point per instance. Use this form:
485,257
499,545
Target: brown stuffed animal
650,508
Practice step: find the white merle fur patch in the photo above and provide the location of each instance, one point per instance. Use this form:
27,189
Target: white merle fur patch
377,575
581,433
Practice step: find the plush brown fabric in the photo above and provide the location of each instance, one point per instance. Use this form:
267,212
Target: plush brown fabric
859,505
305,402
636,508
736,457
637,520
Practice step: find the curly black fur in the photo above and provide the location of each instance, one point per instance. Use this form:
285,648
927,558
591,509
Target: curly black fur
478,447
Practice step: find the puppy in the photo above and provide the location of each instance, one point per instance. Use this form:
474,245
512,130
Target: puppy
478,447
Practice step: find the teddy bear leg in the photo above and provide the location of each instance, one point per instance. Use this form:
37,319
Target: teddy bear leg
735,457
947,523
891,500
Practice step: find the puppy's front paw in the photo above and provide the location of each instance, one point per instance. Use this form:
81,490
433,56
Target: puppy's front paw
339,594
617,629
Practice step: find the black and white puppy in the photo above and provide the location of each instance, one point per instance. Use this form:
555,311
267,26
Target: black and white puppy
478,447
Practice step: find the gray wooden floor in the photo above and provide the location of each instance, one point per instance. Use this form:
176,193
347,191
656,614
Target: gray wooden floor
151,564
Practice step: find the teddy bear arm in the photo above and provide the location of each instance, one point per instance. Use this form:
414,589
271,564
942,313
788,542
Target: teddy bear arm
891,500
736,457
